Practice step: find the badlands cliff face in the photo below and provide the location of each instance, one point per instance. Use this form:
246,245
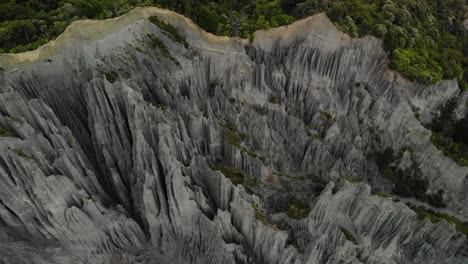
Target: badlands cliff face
127,144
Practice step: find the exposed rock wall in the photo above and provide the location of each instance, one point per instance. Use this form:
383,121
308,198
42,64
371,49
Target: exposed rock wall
117,133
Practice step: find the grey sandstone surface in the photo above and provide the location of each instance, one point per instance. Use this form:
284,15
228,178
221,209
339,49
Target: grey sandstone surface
119,133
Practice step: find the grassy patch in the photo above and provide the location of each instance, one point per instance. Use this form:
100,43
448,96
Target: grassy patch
259,215
253,154
69,139
348,235
230,126
232,173
435,217
236,176
157,43
232,136
352,180
21,153
111,76
5,133
327,115
297,209
458,152
274,99
169,30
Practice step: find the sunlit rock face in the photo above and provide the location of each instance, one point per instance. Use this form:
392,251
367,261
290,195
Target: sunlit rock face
117,134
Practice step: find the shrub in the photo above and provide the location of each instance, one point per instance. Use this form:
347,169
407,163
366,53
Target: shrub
273,99
352,180
111,76
458,152
157,43
297,209
169,30
348,235
259,215
236,176
5,133
232,173
21,153
232,136
327,115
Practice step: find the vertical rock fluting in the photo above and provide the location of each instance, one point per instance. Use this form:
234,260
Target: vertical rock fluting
117,133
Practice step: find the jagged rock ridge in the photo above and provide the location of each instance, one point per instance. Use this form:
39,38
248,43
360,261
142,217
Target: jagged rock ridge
118,134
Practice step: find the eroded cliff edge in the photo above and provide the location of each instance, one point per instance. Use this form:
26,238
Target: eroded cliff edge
119,130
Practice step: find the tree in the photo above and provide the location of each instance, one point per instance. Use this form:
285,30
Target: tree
207,18
262,23
380,30
350,26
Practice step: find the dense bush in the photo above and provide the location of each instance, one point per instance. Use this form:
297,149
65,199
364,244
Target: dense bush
425,39
457,151
297,209
450,135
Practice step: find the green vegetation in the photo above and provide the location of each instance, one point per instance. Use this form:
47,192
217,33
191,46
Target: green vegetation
111,76
417,65
5,133
352,180
69,139
253,154
21,153
409,182
435,217
169,30
232,136
327,115
423,44
157,43
231,126
426,39
236,176
259,215
25,25
273,99
450,135
458,152
348,235
297,209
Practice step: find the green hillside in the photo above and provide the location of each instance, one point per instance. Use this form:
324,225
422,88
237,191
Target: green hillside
425,39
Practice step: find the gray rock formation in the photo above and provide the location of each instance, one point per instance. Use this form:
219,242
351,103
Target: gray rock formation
124,144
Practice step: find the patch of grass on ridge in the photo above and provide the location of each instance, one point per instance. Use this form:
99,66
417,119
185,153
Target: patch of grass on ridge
435,217
169,30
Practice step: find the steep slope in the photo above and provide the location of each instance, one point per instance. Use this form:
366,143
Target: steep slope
127,142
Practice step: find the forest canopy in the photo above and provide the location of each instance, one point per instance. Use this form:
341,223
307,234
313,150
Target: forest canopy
425,39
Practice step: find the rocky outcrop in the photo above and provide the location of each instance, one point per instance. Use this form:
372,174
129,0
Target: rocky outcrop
123,143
